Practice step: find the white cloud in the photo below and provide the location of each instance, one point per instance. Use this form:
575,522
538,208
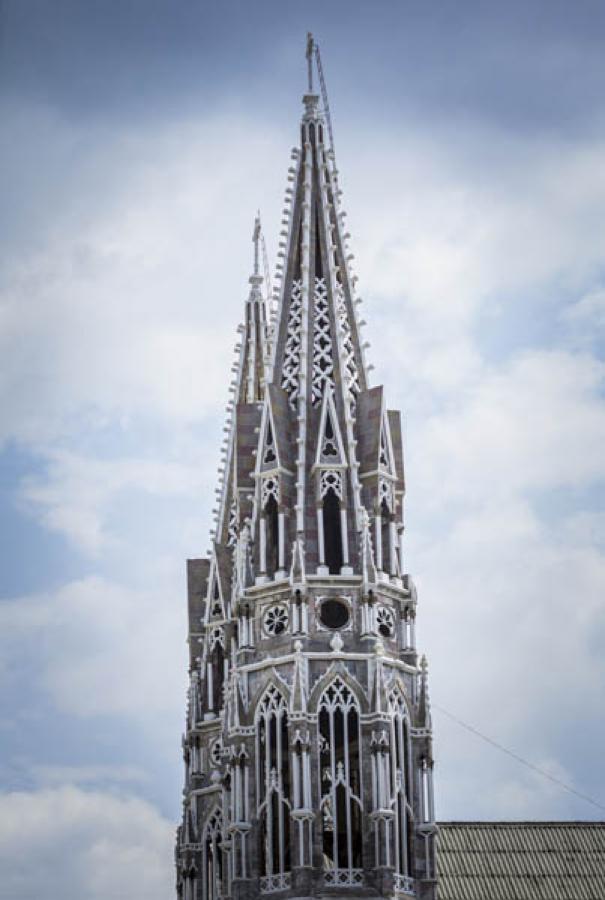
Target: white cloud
102,648
535,423
53,775
75,494
511,615
83,845
117,310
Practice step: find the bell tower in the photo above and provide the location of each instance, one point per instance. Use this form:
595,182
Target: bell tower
308,748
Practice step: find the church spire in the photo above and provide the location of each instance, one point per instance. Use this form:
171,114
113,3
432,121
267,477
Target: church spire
317,349
248,387
308,760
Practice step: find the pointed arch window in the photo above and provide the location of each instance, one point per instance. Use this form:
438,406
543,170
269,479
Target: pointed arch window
217,607
269,456
215,674
401,782
329,447
273,781
340,779
272,529
212,856
384,458
331,544
272,526
188,886
385,536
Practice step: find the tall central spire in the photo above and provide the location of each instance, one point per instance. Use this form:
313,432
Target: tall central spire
308,747
318,359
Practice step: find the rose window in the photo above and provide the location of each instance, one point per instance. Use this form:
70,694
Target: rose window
385,621
275,620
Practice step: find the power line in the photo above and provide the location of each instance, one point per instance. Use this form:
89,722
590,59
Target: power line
519,759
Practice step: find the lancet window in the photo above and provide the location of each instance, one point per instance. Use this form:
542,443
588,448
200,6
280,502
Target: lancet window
215,671
269,455
213,863
384,452
340,774
401,781
189,883
329,447
331,533
386,533
272,526
272,539
273,781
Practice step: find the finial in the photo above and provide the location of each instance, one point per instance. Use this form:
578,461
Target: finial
256,240
310,48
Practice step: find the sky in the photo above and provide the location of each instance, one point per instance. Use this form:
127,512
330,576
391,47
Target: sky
138,141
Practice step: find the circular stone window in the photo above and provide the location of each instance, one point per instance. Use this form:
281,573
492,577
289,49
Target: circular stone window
275,620
334,614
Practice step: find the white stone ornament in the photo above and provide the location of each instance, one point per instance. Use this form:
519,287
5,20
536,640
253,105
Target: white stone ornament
337,643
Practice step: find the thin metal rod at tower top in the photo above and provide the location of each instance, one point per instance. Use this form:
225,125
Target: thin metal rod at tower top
324,95
310,47
313,51
256,236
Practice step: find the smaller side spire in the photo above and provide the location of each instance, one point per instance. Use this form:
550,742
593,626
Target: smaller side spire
248,388
254,345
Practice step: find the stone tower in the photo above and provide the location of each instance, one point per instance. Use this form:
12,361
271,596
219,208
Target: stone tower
308,751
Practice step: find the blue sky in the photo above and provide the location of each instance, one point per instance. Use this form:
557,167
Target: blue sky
139,138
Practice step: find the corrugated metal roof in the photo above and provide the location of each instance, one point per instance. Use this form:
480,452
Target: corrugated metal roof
521,860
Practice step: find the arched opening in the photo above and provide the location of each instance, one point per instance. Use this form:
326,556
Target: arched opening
273,780
332,532
213,857
272,526
400,774
217,610
340,802
217,659
385,536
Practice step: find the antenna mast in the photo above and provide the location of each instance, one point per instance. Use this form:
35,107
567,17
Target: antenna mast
324,95
313,51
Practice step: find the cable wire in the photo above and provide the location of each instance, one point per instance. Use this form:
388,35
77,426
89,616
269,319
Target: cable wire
519,759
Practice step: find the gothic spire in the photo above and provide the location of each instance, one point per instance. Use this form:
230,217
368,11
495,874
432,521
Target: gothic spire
308,760
317,350
248,386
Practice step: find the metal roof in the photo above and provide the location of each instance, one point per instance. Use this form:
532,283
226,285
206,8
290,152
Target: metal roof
521,860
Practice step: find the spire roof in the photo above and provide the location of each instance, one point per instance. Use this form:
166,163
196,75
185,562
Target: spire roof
248,386
304,427
317,349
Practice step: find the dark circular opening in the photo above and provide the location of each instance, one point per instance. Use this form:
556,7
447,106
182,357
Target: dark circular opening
385,630
333,614
279,627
